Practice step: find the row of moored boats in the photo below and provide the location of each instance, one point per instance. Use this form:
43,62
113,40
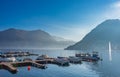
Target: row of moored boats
78,58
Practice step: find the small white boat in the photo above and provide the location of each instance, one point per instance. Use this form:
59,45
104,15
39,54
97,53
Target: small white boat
10,59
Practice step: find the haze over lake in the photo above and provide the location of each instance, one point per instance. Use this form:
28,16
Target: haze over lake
105,68
59,38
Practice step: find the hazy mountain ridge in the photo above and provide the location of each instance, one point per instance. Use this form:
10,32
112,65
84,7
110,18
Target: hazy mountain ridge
29,39
99,37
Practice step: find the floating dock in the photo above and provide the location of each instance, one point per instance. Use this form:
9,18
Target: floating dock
29,63
8,67
41,63
38,65
16,54
11,66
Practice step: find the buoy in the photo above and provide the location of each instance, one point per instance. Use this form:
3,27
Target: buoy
29,68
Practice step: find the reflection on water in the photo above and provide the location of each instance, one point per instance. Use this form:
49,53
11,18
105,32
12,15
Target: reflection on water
110,52
103,68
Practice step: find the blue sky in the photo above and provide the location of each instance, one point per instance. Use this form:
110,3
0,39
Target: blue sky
70,19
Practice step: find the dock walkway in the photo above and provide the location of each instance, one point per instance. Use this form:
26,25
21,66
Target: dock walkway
8,67
38,65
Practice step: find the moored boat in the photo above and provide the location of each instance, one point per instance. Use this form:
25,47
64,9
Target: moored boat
42,57
74,59
88,57
10,59
27,59
62,61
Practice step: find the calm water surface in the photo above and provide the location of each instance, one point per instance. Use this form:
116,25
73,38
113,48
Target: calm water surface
105,68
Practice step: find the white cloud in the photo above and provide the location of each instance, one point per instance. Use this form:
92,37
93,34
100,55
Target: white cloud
116,4
113,11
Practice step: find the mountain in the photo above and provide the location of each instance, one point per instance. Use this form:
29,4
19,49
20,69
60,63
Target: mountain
15,38
99,37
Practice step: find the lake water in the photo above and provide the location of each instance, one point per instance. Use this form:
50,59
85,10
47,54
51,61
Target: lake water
105,68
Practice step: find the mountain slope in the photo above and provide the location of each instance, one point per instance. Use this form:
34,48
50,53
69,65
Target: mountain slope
99,37
29,39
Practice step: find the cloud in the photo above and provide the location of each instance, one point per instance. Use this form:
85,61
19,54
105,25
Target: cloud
116,5
113,11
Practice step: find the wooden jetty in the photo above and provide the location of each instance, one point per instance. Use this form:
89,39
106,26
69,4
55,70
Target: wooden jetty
11,66
16,54
38,65
41,63
8,67
29,63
